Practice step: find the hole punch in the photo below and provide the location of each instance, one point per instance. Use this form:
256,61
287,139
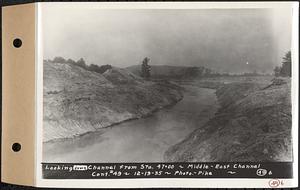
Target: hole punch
16,147
17,43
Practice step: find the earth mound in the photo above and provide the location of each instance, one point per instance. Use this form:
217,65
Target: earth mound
253,124
77,101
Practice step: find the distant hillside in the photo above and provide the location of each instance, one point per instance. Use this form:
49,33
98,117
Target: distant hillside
253,124
178,72
77,101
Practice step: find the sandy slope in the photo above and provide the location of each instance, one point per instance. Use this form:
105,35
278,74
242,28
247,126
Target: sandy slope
252,124
77,101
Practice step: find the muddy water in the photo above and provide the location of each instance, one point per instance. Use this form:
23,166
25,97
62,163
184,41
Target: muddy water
142,140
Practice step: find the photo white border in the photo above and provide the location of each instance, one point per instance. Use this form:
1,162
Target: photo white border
165,182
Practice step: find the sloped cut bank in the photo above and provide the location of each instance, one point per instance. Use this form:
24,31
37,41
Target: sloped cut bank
77,101
253,124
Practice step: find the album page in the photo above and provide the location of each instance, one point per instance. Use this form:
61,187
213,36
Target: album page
152,95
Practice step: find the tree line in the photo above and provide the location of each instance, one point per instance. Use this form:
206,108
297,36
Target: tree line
285,70
190,72
81,63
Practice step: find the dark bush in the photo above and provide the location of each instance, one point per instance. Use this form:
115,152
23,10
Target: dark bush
59,60
81,63
71,61
99,69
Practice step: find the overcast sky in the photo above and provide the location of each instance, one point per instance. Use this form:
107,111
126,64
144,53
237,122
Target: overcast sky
224,40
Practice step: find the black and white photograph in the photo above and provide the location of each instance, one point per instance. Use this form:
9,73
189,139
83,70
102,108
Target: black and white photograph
166,85
150,94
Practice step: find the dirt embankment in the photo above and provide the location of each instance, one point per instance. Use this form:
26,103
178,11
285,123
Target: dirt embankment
252,124
77,101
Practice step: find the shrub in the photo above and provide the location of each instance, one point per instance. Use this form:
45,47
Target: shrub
81,63
99,69
59,60
71,61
